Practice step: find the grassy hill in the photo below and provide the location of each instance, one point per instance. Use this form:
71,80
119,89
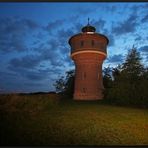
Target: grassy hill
44,119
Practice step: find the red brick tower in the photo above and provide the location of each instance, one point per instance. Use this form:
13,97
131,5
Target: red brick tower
88,50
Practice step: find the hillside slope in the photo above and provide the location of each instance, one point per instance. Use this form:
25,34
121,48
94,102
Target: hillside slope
46,120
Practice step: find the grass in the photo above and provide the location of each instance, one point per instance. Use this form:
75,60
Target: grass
43,120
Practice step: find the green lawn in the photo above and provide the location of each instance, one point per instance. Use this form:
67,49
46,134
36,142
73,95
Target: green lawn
47,120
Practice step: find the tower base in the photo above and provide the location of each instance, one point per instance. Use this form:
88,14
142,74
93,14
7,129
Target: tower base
88,97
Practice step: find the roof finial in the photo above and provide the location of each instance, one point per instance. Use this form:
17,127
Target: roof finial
88,21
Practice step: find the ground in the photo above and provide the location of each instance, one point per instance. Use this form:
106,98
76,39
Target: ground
43,120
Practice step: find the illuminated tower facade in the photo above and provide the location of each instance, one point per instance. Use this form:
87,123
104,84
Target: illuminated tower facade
88,50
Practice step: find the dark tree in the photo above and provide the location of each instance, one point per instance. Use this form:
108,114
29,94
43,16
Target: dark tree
107,78
65,84
69,85
60,84
130,82
143,89
132,66
130,78
107,81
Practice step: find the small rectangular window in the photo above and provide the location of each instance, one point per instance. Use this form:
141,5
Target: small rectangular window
102,46
84,75
82,43
84,90
92,42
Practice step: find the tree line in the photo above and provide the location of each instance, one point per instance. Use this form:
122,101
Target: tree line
125,84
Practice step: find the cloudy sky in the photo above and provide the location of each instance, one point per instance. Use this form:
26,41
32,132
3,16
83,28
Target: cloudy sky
34,49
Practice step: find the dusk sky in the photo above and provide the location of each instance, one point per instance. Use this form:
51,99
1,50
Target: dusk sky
34,49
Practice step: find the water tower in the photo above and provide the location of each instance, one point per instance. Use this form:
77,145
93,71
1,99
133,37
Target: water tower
88,50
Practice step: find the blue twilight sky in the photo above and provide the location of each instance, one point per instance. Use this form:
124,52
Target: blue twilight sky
34,49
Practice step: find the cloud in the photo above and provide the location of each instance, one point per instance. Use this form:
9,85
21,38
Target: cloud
116,58
26,81
34,60
10,81
51,54
111,39
36,76
52,26
77,27
28,61
110,9
61,47
33,84
99,24
128,26
12,44
65,34
36,66
138,38
52,44
27,74
33,72
85,10
13,32
145,19
144,49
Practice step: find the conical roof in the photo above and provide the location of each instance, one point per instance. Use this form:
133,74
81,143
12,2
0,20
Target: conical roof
88,28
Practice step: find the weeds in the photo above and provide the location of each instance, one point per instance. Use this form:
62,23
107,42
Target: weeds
43,120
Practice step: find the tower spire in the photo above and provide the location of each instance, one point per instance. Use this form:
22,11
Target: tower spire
88,28
88,21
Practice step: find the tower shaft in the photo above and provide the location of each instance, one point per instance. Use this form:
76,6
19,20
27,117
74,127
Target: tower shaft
88,78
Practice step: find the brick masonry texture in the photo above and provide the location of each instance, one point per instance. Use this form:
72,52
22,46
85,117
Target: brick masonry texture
88,52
